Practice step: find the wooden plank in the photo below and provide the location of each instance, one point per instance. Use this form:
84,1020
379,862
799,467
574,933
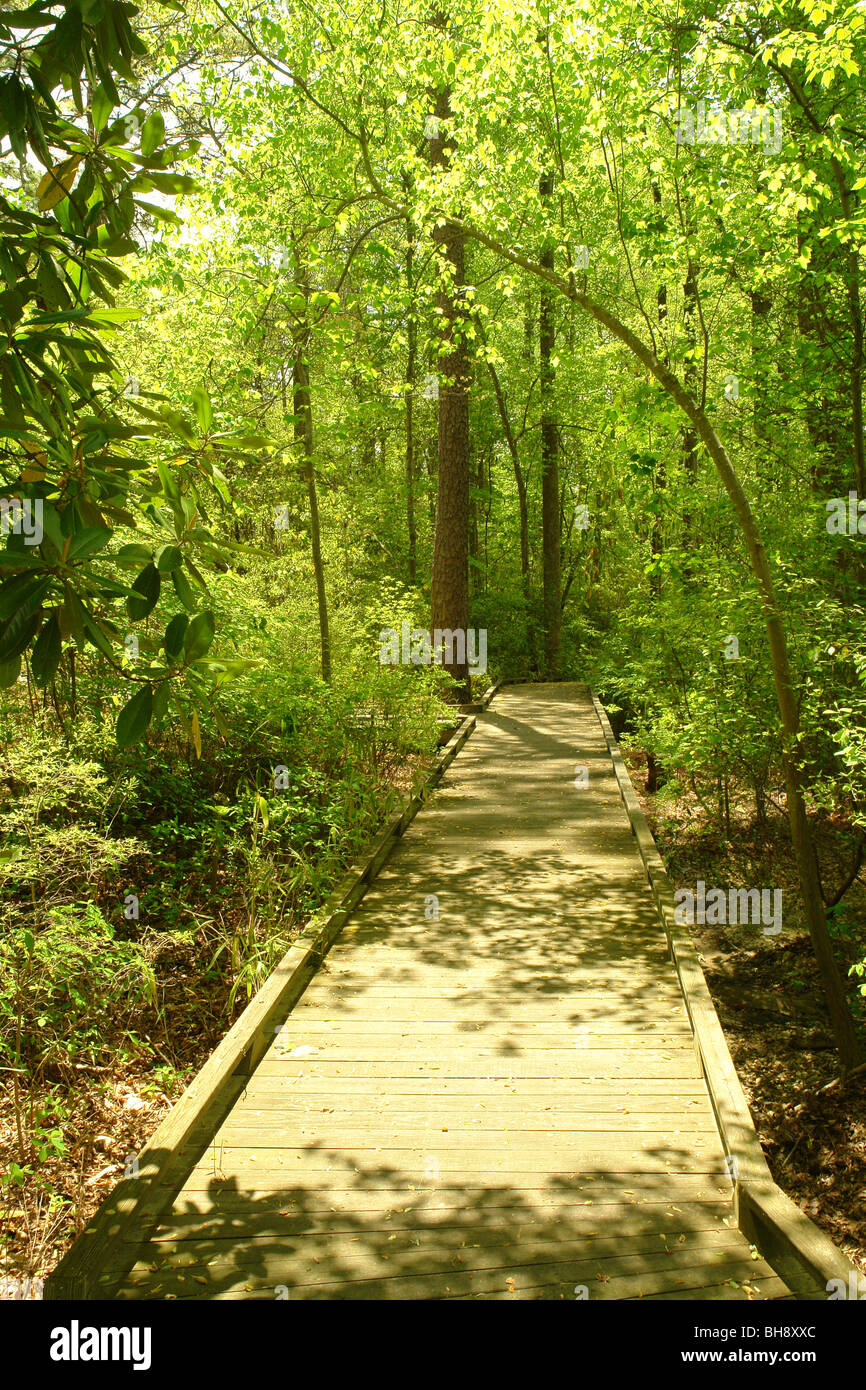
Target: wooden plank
509,1109
520,1285
581,1222
582,1090
468,1033
553,1067
285,1124
398,1190
363,1254
555,1148
469,1165
651,1272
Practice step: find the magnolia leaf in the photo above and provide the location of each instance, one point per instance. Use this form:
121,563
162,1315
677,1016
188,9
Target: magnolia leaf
134,717
199,636
45,657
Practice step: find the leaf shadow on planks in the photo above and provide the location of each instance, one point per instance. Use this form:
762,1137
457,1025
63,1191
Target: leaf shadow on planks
376,1233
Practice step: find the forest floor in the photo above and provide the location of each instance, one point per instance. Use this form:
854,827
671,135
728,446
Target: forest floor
768,995
110,1111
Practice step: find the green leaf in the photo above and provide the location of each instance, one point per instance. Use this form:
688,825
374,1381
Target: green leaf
45,657
89,541
160,700
9,672
203,410
199,636
17,635
153,133
134,717
24,621
169,558
19,592
183,589
134,554
174,635
97,638
101,106
146,587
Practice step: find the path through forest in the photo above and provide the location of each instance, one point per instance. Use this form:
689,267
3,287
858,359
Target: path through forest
503,1101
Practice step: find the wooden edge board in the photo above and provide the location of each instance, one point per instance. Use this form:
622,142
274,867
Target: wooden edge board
77,1274
789,1240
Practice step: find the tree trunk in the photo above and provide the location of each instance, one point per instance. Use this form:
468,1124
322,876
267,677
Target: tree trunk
550,520
411,361
690,373
520,483
449,590
303,411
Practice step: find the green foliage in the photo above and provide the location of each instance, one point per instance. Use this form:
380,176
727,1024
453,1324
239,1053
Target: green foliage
58,985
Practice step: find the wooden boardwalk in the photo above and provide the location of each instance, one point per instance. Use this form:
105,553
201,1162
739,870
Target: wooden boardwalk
501,1102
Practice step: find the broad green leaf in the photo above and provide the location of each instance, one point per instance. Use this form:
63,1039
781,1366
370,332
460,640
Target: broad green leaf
89,541
134,717
146,587
101,106
199,636
17,634
203,409
183,589
174,635
9,672
160,700
134,554
45,657
153,133
195,732
168,558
